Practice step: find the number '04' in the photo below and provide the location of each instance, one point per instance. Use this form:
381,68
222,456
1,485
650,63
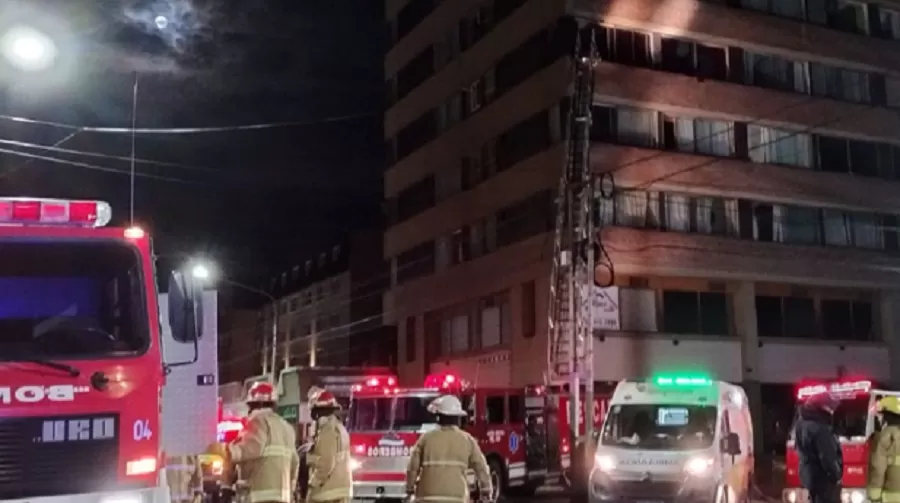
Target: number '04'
142,430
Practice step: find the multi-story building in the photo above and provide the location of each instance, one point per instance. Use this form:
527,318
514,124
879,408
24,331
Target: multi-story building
755,148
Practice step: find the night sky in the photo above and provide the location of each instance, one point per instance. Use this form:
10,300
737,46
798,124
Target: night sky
251,200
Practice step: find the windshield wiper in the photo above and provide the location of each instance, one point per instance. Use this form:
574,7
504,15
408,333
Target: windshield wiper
72,371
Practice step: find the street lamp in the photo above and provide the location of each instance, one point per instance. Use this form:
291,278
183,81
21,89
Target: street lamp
202,272
28,49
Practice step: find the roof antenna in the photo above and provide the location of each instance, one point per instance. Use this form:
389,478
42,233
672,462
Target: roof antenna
134,98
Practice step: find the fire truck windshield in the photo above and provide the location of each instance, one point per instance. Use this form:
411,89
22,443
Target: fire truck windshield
657,426
401,412
850,418
70,300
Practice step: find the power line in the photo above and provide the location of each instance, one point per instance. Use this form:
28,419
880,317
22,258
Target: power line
188,130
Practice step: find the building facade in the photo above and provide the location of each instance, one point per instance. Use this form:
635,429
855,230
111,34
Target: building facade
755,149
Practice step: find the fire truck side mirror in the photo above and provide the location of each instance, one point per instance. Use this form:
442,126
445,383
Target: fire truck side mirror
185,307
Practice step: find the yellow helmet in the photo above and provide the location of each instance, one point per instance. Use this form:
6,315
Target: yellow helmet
889,404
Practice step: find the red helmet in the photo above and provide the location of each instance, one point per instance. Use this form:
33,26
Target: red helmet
320,398
261,392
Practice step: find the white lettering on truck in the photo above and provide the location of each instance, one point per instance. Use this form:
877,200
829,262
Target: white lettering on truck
34,393
71,430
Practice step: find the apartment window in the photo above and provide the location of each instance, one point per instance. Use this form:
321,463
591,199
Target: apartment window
847,15
839,83
417,71
837,228
793,317
524,219
416,198
847,320
796,225
715,216
529,310
786,8
892,92
868,231
603,123
637,209
523,61
454,332
636,127
459,246
410,339
889,23
494,320
416,262
691,58
677,213
523,140
703,313
775,72
417,133
768,145
624,46
705,136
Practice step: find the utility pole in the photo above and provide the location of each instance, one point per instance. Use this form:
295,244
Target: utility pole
570,320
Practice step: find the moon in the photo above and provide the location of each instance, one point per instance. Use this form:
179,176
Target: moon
161,22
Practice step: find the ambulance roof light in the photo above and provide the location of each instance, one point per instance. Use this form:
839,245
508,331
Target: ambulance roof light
40,211
682,381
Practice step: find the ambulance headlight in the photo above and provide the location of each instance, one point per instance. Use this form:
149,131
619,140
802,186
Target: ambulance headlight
698,466
355,464
604,463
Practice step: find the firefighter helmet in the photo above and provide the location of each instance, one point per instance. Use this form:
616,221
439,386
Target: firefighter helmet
261,392
322,399
447,405
889,404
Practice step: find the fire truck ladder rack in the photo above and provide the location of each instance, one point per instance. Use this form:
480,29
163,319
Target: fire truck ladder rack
570,323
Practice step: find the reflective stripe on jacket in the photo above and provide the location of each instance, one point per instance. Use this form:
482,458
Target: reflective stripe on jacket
438,465
266,454
329,462
884,466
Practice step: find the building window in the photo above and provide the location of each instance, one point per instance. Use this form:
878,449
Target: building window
705,136
846,320
793,317
410,339
624,46
703,313
786,8
524,219
529,310
494,320
636,127
889,23
775,72
455,326
839,83
691,58
768,145
416,262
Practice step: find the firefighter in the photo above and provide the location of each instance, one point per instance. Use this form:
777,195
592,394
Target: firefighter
265,452
441,459
329,457
884,447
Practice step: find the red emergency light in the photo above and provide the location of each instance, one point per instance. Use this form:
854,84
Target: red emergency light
445,381
842,389
386,383
28,211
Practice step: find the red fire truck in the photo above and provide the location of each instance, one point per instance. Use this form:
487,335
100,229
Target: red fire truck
519,431
80,346
850,426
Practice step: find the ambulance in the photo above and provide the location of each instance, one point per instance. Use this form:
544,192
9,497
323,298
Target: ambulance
675,437
518,429
849,424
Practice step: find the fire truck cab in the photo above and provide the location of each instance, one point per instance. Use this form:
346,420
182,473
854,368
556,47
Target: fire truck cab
851,425
510,424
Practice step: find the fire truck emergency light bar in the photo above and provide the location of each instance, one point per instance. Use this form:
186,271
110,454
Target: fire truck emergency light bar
847,388
33,211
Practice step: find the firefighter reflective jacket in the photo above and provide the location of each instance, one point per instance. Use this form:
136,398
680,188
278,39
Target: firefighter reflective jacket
267,457
329,462
439,463
884,466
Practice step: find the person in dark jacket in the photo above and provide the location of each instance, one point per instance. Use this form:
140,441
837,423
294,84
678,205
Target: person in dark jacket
821,462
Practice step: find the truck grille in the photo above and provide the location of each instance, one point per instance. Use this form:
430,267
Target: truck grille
49,456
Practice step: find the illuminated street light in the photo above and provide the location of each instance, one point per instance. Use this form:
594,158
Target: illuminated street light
201,272
28,49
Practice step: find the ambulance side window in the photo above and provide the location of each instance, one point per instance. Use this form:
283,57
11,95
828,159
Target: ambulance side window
724,427
495,409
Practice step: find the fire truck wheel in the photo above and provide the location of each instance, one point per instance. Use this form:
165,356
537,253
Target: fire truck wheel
498,479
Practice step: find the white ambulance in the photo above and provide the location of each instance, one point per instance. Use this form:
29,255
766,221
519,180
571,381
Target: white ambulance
675,437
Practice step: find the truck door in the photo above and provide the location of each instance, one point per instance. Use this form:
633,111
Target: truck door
537,446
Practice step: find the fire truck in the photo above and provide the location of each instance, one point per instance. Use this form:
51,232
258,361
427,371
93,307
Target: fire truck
523,432
850,426
82,374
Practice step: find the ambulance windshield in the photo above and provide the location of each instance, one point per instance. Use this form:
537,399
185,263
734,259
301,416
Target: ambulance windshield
390,413
70,300
658,426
